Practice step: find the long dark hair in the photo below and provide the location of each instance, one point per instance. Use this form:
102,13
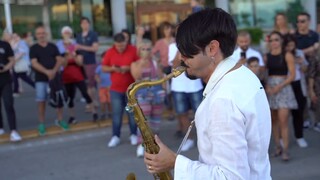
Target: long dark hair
290,38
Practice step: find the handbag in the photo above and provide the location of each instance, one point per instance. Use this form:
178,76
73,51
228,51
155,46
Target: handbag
21,66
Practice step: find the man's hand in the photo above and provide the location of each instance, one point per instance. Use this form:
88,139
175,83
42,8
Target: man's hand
116,69
51,74
161,162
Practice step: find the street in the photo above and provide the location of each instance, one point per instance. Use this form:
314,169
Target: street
82,153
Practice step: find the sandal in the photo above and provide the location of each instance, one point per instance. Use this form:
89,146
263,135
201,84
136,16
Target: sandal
285,157
277,152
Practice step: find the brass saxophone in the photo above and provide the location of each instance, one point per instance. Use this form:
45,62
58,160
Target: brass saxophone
147,135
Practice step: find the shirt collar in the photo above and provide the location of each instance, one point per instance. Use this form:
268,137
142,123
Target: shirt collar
223,67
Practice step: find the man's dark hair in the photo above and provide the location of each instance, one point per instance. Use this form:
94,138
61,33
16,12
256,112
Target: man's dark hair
252,59
127,32
119,37
199,29
85,19
304,14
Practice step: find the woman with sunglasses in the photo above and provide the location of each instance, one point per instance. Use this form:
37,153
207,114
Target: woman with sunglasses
281,72
150,99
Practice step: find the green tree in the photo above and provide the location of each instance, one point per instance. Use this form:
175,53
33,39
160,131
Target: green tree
294,8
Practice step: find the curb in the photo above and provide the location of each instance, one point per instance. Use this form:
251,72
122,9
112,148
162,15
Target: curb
55,130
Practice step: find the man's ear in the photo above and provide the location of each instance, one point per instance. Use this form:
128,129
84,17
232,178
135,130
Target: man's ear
212,48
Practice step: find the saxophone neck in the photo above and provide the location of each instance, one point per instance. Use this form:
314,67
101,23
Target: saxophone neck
134,87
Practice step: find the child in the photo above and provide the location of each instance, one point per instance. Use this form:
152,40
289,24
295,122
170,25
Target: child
253,65
104,82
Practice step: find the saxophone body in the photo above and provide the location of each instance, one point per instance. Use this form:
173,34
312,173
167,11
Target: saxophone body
133,107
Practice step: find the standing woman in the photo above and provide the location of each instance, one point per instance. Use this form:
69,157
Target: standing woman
161,48
150,99
281,72
281,24
22,63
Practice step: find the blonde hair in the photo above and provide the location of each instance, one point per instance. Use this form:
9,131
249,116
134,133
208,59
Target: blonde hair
275,26
144,42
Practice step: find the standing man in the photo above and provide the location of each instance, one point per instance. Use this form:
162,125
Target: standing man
308,41
87,46
244,51
233,122
117,61
187,94
6,94
46,61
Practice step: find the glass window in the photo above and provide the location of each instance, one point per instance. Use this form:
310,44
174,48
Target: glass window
258,13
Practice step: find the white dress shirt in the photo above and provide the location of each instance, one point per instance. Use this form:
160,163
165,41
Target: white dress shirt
233,125
182,83
249,53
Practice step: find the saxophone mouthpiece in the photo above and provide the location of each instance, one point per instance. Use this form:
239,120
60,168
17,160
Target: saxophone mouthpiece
178,70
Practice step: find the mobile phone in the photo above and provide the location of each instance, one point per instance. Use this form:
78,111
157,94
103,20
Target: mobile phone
243,55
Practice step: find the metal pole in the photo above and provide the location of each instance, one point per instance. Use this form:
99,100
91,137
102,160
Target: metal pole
70,11
7,15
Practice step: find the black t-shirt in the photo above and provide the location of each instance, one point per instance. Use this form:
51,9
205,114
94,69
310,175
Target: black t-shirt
306,40
46,56
5,52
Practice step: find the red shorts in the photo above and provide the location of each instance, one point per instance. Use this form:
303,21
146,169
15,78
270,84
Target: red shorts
104,95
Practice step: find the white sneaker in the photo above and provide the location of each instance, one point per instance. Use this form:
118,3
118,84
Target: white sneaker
1,131
134,139
140,151
15,136
188,145
306,124
115,140
302,143
317,127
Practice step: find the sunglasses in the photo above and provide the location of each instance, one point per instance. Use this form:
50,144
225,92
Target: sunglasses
301,21
275,40
145,49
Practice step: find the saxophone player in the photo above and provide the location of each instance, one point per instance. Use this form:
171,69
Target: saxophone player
233,121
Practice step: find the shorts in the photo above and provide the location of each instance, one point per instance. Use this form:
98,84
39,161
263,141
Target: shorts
183,102
104,95
41,91
90,74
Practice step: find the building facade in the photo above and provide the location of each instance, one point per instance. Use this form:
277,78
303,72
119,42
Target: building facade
111,16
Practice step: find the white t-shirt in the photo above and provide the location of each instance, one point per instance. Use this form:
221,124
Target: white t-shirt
182,83
249,53
299,74
233,124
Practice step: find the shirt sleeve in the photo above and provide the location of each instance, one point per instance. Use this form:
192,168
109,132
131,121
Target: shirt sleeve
226,150
9,51
32,53
106,61
94,37
98,69
172,53
56,50
261,63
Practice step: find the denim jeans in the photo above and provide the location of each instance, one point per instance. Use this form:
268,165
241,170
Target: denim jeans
118,104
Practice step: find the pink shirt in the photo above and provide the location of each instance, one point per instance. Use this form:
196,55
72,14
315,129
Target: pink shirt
162,47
